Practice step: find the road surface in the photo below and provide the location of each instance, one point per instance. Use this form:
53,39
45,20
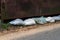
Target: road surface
47,35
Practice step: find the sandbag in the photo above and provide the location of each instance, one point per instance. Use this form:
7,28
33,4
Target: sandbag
50,19
56,17
29,22
17,22
40,20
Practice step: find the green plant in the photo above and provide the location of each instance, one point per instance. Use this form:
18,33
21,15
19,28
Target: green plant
5,26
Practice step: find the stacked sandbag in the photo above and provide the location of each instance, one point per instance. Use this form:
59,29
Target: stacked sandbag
50,19
40,20
17,22
57,18
29,22
33,21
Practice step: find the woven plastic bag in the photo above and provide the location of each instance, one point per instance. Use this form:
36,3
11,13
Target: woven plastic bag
50,19
56,17
40,20
29,22
17,22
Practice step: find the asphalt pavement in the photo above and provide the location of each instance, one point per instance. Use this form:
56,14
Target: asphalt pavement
47,35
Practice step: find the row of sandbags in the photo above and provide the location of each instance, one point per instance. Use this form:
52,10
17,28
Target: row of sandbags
32,21
21,22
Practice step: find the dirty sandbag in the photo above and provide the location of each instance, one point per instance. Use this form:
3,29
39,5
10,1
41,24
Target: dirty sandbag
56,17
29,22
50,19
17,22
40,20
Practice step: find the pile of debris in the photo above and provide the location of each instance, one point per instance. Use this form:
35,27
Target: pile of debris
33,21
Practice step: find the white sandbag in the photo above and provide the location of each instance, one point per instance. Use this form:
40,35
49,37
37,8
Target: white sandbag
29,22
17,22
50,19
56,17
40,20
